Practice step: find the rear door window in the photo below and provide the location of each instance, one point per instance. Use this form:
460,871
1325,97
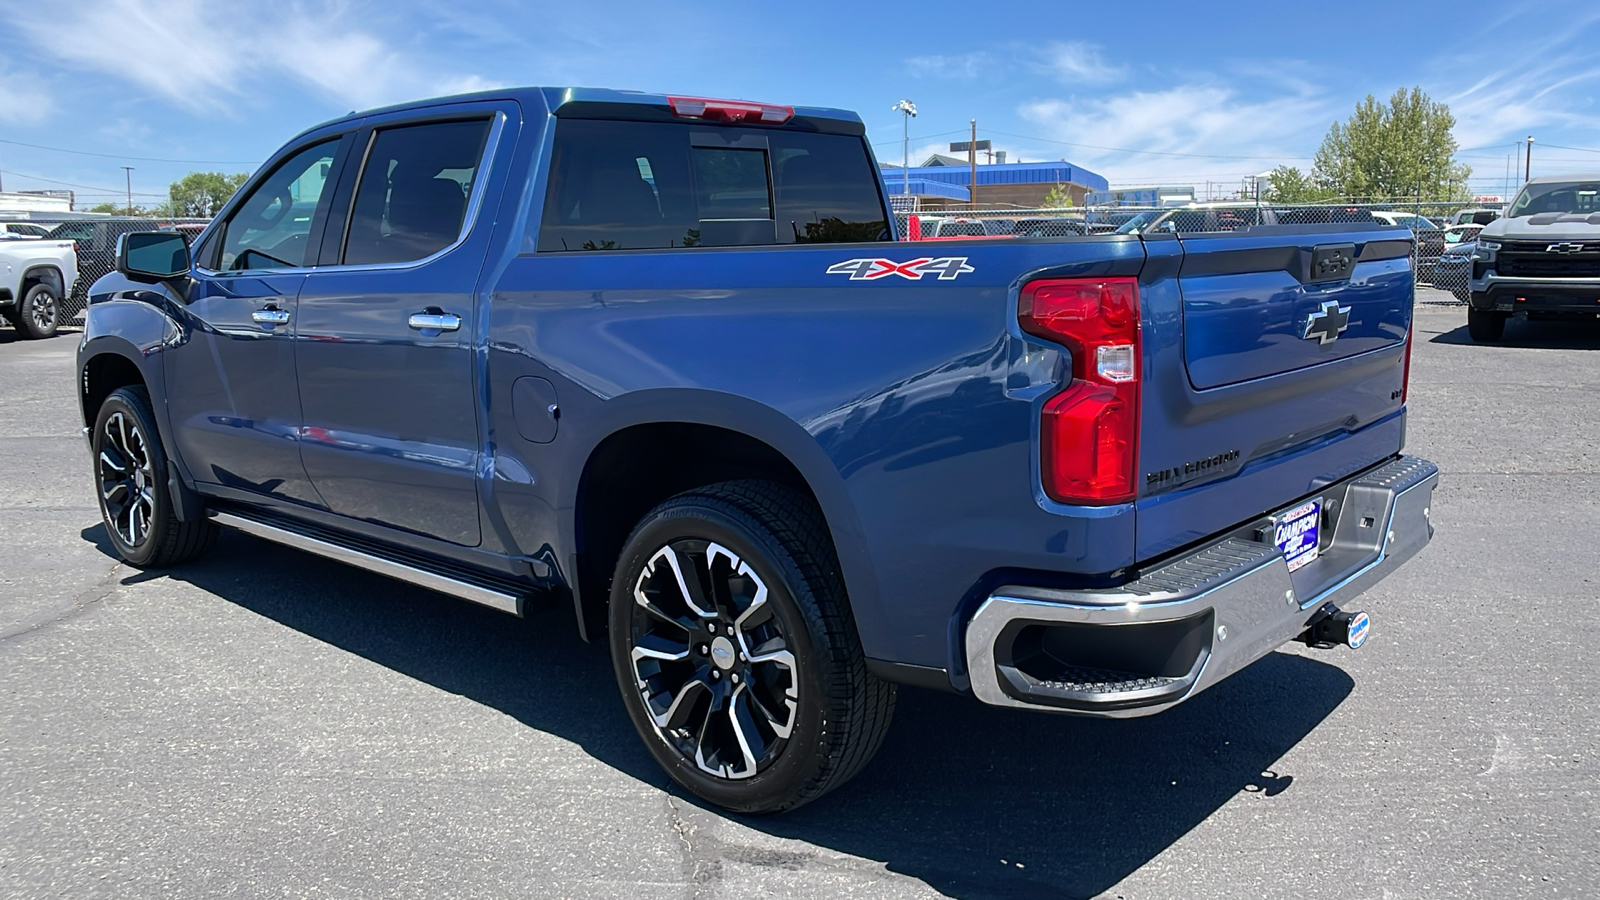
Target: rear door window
411,200
648,185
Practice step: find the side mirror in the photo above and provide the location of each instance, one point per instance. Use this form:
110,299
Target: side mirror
152,256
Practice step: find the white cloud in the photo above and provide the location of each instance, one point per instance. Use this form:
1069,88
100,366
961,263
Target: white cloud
1200,132
24,98
1071,62
209,59
962,65
1077,62
1503,106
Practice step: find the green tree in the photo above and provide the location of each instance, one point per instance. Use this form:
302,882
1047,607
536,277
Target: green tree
1288,184
201,194
1394,150
1058,198
105,208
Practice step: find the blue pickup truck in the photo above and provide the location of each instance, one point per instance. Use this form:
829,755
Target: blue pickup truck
660,359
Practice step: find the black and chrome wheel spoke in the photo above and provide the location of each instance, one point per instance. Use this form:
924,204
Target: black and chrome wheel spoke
127,480
709,659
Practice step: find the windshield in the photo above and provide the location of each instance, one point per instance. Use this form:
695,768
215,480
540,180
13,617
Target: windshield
1139,223
1581,197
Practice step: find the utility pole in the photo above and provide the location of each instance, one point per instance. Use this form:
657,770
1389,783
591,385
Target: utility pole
972,163
1527,169
127,172
910,110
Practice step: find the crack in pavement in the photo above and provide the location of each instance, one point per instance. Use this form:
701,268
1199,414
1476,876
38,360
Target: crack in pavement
79,604
699,868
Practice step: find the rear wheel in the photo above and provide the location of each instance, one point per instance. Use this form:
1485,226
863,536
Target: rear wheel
39,313
1486,325
735,651
130,475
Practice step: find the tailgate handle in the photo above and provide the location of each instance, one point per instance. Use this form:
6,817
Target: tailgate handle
1331,262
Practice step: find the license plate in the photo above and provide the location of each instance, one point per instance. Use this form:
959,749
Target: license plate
1295,533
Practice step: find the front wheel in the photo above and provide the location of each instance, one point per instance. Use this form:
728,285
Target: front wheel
1486,325
736,653
130,477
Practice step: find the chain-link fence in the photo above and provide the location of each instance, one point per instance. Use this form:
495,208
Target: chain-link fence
95,240
1442,256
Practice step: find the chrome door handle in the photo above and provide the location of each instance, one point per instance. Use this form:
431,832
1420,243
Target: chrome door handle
270,317
437,321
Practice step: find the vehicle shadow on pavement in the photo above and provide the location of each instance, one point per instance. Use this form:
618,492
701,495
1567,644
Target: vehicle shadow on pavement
1548,335
974,801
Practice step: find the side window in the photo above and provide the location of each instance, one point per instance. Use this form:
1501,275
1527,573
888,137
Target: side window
411,200
271,229
646,185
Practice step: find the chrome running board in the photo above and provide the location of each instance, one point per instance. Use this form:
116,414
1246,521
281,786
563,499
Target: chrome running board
501,600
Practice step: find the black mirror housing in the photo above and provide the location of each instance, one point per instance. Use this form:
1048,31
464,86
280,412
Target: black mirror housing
152,256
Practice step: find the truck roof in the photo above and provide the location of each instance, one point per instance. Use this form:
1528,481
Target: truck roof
606,102
1574,176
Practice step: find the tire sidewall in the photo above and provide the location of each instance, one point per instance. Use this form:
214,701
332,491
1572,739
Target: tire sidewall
805,751
25,321
130,403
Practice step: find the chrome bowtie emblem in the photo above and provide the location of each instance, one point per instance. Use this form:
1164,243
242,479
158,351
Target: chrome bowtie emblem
1327,323
1565,247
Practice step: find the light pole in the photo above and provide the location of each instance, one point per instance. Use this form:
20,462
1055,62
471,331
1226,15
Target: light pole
1527,168
127,171
910,110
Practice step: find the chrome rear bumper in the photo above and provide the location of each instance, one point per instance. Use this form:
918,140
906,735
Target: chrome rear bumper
1192,621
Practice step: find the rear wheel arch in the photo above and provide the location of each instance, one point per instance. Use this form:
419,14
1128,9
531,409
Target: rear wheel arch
49,276
637,467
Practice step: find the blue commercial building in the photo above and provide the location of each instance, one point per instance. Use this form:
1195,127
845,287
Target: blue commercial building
946,181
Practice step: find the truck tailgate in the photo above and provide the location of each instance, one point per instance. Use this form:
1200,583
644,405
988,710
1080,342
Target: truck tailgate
1277,360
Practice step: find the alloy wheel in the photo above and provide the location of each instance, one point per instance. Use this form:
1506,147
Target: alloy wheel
44,312
710,659
127,479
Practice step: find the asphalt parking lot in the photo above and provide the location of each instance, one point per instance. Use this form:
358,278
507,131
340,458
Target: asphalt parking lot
267,723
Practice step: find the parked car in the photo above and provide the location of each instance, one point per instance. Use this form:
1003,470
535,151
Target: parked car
34,277
777,461
1474,216
1054,226
1541,259
1430,238
23,230
970,227
1454,268
1101,222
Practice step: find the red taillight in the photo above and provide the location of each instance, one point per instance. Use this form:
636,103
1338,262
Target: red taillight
1089,436
730,111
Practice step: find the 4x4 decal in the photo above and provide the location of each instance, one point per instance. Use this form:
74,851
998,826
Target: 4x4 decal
946,267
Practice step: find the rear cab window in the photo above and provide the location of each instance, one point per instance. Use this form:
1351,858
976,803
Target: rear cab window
620,185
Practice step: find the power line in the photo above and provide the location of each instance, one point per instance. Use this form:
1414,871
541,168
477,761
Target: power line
219,162
924,137
1579,149
87,187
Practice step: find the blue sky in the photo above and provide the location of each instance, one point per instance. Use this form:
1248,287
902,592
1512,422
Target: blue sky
1208,91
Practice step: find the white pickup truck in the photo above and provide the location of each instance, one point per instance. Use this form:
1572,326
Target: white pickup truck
34,276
